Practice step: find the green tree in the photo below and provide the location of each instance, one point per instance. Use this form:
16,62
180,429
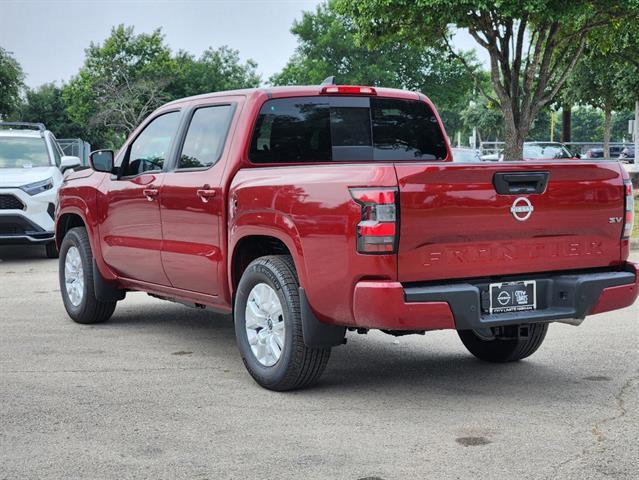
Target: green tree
533,45
485,116
45,104
129,75
11,77
328,45
598,82
215,70
121,82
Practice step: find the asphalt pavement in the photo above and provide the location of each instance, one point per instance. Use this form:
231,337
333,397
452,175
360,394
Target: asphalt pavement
160,392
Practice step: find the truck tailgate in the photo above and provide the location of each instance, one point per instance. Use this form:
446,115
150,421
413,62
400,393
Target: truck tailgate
454,223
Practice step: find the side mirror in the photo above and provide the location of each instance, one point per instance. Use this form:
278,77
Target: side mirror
69,162
102,160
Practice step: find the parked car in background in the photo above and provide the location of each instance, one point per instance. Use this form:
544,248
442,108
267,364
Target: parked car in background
306,211
536,151
31,172
627,155
615,151
491,157
465,155
547,151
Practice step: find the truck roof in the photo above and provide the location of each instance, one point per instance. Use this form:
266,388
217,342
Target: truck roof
296,91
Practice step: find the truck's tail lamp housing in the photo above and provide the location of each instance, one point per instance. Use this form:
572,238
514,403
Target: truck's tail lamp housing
629,217
377,231
348,90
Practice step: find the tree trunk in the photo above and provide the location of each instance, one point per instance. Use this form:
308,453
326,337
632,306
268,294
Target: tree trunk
514,142
566,125
607,128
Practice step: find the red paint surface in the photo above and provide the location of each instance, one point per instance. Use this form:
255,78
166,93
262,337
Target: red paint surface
614,298
381,305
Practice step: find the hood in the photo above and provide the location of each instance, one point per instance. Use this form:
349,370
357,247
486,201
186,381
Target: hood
17,177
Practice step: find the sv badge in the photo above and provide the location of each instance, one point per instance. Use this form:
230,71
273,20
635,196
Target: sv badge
615,219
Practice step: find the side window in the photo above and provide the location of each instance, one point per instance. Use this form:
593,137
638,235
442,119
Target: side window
205,137
149,150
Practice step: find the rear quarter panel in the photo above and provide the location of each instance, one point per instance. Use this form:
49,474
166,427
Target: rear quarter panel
311,210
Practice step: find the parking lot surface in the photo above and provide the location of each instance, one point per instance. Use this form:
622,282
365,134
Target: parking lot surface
160,392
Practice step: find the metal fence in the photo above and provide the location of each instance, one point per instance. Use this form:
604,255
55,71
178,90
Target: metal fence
77,148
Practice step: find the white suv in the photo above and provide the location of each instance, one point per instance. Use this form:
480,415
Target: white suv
31,171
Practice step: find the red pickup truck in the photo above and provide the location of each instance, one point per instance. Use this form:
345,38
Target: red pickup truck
309,211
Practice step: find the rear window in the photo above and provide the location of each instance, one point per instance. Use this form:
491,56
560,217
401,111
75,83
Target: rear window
344,129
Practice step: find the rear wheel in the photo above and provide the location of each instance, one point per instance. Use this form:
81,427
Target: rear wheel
76,280
487,346
52,250
268,327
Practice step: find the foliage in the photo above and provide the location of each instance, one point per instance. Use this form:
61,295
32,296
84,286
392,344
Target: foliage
215,70
121,81
328,45
11,78
533,44
45,104
129,75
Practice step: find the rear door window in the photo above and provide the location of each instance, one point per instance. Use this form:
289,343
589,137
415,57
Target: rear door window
205,137
344,129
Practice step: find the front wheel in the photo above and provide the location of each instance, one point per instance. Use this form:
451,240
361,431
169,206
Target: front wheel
76,280
268,327
491,348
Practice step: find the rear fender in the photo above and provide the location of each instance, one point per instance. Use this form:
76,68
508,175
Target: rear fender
266,223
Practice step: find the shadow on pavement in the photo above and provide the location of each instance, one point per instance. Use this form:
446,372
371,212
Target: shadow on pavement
372,362
18,253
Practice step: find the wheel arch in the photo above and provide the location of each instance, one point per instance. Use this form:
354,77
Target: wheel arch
262,242
66,222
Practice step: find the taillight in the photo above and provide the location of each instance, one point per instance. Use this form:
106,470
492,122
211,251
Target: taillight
377,231
348,90
630,209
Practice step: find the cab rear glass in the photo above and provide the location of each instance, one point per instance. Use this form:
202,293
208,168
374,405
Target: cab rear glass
346,129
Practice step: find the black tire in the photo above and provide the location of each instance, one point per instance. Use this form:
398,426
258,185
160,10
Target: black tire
52,250
90,309
504,350
299,366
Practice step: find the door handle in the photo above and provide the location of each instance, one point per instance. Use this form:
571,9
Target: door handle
150,193
205,194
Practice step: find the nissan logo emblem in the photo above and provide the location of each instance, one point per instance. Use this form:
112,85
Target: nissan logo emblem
522,209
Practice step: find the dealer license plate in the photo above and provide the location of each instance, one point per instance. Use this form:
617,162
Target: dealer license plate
513,296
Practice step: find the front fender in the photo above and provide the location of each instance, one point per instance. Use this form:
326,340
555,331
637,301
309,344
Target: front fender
84,206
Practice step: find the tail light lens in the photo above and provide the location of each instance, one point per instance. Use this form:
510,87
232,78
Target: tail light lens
377,232
630,210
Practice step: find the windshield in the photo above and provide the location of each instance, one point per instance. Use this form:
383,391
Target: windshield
23,152
546,151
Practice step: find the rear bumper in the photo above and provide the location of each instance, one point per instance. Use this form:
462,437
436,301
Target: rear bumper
463,306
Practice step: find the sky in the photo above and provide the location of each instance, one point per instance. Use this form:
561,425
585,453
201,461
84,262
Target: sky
48,37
